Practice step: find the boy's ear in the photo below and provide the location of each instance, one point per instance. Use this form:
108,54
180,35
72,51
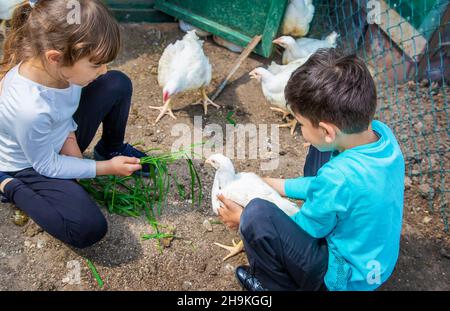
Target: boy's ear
329,132
53,56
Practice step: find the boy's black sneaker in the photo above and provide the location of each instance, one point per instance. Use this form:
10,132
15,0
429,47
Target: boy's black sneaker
247,280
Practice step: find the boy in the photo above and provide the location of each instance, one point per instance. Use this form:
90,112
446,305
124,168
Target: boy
347,234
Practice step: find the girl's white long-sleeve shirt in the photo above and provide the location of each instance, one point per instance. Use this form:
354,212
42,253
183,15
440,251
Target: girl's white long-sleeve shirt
35,121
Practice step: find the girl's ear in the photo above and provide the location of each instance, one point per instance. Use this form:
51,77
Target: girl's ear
329,132
53,57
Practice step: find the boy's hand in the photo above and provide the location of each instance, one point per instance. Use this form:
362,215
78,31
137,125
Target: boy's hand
230,212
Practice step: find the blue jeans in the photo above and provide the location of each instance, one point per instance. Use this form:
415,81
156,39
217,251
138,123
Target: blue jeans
282,256
62,207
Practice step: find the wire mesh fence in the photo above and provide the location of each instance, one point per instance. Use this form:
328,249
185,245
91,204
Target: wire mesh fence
406,45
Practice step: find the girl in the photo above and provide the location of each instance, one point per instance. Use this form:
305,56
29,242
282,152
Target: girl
55,91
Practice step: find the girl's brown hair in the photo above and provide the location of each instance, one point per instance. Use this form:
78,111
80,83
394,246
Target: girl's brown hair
48,26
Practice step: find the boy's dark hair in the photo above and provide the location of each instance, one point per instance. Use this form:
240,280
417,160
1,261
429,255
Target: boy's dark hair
336,88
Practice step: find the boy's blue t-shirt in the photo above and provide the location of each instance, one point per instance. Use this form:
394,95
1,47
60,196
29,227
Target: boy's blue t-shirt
356,203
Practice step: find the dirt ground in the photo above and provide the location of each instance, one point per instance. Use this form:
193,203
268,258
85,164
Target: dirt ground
32,260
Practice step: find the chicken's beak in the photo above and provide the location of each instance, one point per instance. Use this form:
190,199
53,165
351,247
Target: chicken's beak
278,42
254,75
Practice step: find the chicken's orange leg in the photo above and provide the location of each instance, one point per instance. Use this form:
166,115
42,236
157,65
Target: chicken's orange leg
206,101
166,109
284,112
291,124
234,250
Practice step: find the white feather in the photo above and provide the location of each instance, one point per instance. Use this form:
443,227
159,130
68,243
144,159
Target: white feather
227,44
184,26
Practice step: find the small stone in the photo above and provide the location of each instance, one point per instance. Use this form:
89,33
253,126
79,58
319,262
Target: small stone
154,139
418,126
201,267
445,253
20,218
426,219
408,182
166,242
40,243
426,191
229,268
27,243
207,225
187,285
32,229
154,70
282,153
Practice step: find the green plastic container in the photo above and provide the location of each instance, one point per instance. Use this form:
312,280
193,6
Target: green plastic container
237,21
137,11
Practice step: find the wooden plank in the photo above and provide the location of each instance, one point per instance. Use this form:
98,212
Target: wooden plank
408,38
245,53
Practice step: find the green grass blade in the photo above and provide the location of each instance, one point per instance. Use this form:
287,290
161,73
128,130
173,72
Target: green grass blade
95,273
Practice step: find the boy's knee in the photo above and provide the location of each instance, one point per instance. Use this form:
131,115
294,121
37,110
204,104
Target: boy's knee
254,212
91,230
119,82
257,208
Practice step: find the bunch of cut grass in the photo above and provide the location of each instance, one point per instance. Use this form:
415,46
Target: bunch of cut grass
135,195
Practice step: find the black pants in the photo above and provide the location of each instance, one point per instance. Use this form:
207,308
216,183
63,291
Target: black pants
281,254
62,207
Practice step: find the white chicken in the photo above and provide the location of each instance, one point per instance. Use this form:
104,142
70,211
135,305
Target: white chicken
242,188
6,11
184,26
295,49
297,18
183,66
273,82
228,45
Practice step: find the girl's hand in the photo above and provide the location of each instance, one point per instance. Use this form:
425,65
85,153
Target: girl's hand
230,212
125,166
119,166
